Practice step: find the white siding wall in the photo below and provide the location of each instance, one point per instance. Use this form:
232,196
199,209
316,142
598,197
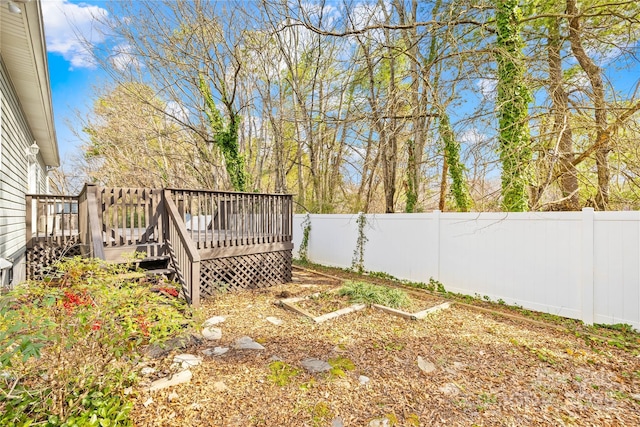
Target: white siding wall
15,137
583,265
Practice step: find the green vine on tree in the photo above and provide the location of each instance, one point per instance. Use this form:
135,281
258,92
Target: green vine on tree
412,190
304,244
357,263
456,168
512,104
225,138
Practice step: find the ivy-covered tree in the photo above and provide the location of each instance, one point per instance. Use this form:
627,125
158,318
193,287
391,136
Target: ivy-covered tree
512,104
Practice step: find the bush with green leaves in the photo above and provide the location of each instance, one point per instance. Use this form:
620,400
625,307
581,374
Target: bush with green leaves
68,344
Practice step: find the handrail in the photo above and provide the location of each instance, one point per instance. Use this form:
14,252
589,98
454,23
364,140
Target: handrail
94,230
183,250
202,190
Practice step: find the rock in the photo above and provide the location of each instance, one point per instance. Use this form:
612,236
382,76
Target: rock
187,360
379,422
211,333
246,343
363,379
337,422
147,371
172,396
179,378
212,321
315,365
636,396
275,358
220,386
449,389
156,351
148,402
425,365
274,320
216,351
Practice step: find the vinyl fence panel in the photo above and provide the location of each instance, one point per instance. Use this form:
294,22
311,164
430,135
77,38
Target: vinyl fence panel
584,265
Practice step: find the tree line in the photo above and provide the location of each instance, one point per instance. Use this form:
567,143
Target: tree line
374,106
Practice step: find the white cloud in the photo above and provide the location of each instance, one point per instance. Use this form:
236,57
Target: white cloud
488,88
178,111
68,25
472,137
122,57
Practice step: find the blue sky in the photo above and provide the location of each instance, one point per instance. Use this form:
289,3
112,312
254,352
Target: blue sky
71,71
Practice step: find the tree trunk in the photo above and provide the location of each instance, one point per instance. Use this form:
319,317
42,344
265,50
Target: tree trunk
594,73
568,175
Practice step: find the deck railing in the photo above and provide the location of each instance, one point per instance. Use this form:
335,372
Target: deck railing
130,216
197,227
51,219
183,251
220,219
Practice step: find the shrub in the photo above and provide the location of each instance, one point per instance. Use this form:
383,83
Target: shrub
68,345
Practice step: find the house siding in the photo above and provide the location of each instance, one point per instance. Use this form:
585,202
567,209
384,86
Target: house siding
15,137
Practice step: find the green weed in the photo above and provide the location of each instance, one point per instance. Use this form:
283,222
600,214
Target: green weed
368,293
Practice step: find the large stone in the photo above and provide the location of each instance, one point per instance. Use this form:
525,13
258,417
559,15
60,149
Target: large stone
315,365
247,343
179,378
425,365
211,333
156,351
220,386
212,321
449,389
274,320
147,371
187,360
216,351
379,422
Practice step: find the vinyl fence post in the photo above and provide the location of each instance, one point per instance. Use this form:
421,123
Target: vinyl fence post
587,265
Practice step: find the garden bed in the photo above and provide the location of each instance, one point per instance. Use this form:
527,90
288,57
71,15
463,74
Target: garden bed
355,296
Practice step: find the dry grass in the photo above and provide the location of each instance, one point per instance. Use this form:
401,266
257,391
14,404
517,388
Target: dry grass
490,370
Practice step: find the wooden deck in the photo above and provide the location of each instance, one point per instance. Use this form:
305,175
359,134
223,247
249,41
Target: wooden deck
214,239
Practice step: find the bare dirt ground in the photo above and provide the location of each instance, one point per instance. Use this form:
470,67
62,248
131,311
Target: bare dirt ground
489,371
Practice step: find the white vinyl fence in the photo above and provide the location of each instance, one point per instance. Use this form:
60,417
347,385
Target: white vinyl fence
584,265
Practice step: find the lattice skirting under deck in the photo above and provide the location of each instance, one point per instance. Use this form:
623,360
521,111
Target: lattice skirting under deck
245,272
42,256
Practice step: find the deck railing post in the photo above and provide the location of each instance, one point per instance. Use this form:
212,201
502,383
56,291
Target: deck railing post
94,222
29,219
